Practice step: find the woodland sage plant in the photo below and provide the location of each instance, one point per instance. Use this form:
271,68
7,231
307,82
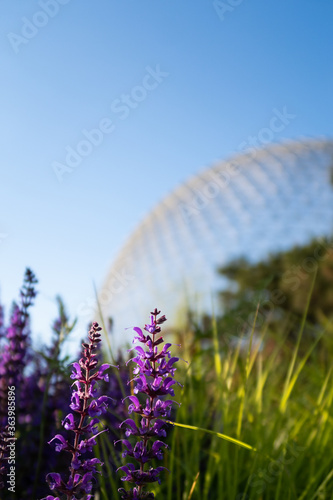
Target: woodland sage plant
14,346
154,379
86,407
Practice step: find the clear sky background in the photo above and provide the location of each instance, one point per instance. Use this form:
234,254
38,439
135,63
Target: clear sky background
66,65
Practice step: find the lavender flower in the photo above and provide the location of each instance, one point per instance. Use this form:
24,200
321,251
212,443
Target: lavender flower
83,422
14,356
155,378
14,353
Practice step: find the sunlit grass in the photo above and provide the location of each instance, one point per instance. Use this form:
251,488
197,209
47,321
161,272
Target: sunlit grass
255,420
287,419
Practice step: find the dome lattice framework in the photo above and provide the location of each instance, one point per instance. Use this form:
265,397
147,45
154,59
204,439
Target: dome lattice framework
252,205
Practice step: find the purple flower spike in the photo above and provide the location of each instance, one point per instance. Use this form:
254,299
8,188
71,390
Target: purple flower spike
14,354
154,378
83,423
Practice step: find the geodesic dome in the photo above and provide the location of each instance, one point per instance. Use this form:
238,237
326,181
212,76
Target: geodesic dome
251,205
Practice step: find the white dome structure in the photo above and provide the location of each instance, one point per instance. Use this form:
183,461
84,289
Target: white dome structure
252,205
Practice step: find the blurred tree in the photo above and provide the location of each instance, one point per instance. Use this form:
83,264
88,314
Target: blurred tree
281,284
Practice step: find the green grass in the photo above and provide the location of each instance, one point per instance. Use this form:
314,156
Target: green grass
284,413
275,401
274,396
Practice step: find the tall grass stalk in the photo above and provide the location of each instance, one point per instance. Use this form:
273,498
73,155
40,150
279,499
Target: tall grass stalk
254,423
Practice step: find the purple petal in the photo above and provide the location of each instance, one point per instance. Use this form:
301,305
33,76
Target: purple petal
141,337
151,327
63,445
54,480
91,464
87,482
132,427
70,425
102,376
76,403
135,406
140,351
157,383
78,373
87,444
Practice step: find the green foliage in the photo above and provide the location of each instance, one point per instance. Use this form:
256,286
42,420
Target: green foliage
270,397
255,421
263,376
281,285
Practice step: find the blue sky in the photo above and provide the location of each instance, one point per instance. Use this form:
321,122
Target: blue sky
195,80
